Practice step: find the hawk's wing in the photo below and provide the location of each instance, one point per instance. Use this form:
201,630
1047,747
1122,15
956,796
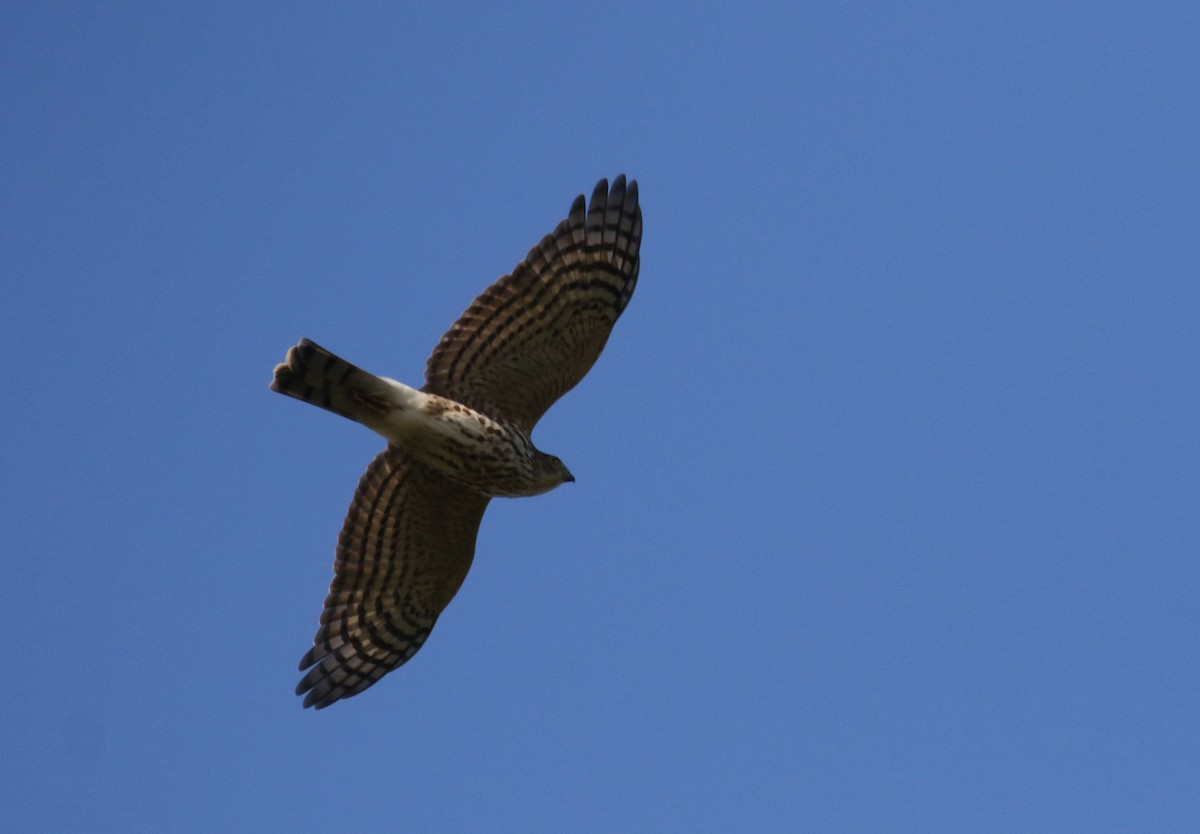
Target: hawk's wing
531,336
404,550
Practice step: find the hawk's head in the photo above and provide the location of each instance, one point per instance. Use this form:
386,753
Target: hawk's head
549,472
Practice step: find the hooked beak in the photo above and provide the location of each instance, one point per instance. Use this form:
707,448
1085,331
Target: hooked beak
568,478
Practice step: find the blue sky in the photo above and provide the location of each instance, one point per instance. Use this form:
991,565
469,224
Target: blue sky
888,481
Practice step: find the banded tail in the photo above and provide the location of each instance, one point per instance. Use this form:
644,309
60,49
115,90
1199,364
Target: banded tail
314,375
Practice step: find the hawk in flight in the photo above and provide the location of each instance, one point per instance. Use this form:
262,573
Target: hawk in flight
409,535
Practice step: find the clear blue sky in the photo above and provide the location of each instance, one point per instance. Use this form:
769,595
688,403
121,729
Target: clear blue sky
888,502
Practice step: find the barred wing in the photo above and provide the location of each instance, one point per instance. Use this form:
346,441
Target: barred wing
532,336
403,552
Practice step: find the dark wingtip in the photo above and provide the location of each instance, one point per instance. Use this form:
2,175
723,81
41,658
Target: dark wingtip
600,192
310,657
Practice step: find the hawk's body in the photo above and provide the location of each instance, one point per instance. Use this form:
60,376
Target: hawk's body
488,456
409,536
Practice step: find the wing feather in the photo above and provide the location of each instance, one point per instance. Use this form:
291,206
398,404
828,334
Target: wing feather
533,335
404,550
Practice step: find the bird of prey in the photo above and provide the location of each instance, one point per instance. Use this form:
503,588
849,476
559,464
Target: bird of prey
461,439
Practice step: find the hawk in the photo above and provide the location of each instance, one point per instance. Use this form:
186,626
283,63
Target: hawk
461,439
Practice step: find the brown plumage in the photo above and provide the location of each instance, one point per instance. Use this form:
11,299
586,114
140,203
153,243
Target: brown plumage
409,537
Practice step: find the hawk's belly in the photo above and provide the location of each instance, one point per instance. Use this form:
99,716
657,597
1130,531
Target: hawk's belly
468,447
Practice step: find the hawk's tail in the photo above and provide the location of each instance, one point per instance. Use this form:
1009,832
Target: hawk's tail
315,375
